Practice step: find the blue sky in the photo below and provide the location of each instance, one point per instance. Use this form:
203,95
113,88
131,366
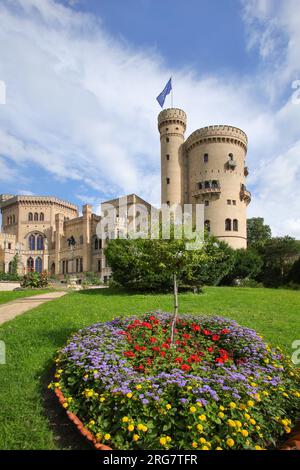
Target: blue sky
82,76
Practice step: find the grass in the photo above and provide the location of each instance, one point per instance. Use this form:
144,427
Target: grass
29,415
8,296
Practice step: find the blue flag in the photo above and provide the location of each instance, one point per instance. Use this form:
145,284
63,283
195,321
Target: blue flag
162,96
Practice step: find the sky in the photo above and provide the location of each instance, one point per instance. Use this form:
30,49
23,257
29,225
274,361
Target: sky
81,79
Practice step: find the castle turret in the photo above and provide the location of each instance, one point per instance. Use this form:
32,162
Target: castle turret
172,126
216,178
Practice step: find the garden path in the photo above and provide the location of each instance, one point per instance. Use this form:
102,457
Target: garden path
12,309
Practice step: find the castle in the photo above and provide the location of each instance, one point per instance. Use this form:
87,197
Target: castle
207,168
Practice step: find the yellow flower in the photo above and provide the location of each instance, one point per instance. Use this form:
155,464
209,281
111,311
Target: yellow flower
252,421
247,416
199,404
107,436
244,432
86,376
200,427
125,419
193,409
232,405
195,445
163,441
205,448
70,399
144,429
258,448
129,395
168,406
202,440
98,436
130,427
287,429
250,403
168,438
92,422
231,423
253,384
65,405
138,387
221,415
265,393
230,442
219,448
257,428
140,427
102,399
221,408
136,437
202,417
238,424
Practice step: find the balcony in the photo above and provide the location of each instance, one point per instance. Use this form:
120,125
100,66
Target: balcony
208,187
231,164
245,195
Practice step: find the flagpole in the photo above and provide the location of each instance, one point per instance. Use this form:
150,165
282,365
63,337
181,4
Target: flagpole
172,91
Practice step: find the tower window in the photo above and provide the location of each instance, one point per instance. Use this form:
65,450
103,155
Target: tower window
31,242
167,139
229,202
41,216
30,216
99,265
168,180
205,158
81,239
168,157
235,225
9,246
36,216
228,225
234,202
207,184
206,203
230,155
168,203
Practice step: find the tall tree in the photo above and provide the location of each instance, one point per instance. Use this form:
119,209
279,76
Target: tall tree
257,231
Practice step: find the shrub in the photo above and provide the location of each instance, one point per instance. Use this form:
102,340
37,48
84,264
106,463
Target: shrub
9,277
220,386
35,280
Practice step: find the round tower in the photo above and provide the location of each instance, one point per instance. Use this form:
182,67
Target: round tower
172,126
216,178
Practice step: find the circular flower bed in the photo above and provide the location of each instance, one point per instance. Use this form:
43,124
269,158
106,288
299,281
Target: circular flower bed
218,387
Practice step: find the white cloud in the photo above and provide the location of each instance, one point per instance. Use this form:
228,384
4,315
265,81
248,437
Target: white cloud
81,105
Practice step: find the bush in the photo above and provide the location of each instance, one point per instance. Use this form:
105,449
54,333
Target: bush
35,280
9,277
219,387
247,283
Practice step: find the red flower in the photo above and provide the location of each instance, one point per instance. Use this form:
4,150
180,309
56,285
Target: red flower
185,367
147,325
149,361
196,327
219,360
141,367
162,353
206,332
177,342
225,331
165,346
179,359
210,349
152,318
155,348
215,337
186,336
129,354
194,358
152,339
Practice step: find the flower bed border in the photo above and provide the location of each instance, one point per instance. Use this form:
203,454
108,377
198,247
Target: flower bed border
293,443
76,421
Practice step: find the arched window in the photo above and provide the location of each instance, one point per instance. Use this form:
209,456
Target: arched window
10,267
235,225
42,216
96,244
38,264
52,269
230,155
36,216
207,225
214,184
30,264
207,184
228,225
205,158
30,216
200,185
39,242
31,242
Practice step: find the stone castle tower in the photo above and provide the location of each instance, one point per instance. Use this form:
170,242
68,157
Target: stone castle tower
207,168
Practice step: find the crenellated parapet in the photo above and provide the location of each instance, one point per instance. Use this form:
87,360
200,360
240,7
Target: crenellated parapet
172,116
217,134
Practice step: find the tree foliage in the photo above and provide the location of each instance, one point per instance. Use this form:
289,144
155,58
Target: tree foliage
258,233
144,264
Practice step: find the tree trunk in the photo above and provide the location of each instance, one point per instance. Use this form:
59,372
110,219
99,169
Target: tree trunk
175,310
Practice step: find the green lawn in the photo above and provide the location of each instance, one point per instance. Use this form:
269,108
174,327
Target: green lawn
29,415
8,296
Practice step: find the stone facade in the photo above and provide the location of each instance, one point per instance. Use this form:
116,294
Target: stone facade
208,168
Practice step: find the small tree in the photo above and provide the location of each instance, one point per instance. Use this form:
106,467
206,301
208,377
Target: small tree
14,265
258,233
